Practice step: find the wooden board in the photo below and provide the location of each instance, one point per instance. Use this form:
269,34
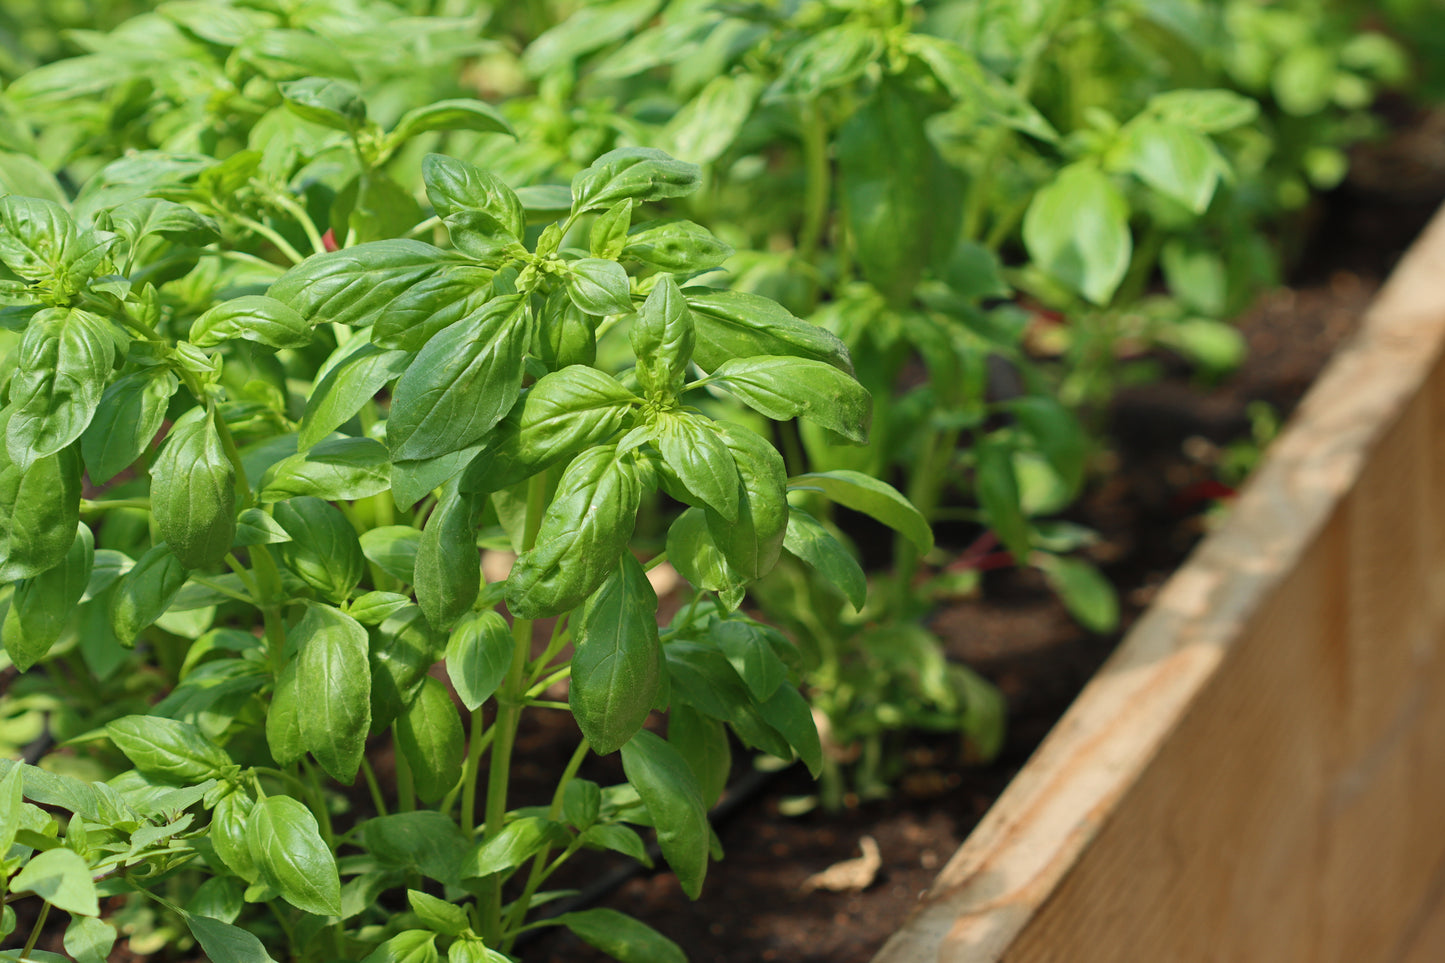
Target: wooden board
1258,773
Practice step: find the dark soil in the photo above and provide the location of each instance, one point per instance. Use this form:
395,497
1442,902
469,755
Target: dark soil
1150,508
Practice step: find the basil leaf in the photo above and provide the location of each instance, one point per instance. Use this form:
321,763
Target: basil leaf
62,365
333,707
598,286
127,419
43,604
583,533
783,388
461,383
615,673
479,652
144,593
403,649
291,54
324,550
703,678
448,567
566,335
374,608
876,499
810,541
709,124
751,655
564,412
1177,161
639,173
518,841
457,114
621,937
663,339
736,324
1077,230
425,842
997,489
676,245
408,946
331,103
411,481
1207,111
753,543
193,493
339,469
1085,592
37,237
670,792
693,449
609,231
482,214
283,719
359,370
224,943
588,29
703,742
228,835
253,317
143,217
61,877
829,58
39,511
168,750
89,940
439,915
393,548
429,734
697,558
618,839
291,856
789,714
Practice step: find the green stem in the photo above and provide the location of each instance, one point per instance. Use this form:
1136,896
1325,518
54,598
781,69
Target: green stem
818,187
282,245
377,799
475,746
539,869
35,931
290,206
114,504
924,490
405,786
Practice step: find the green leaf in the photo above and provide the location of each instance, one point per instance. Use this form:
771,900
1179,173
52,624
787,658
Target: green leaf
997,489
583,533
88,939
42,605
1084,591
618,839
374,608
143,217
581,803
810,541
751,655
587,29
458,114
193,493
224,943
408,946
1060,437
878,500
338,469
291,856
782,388
752,544
461,383
167,749
411,481
479,651
61,878
349,380
1196,275
564,412
292,54
703,742
283,719
127,419
676,245
609,231
12,800
24,175
252,317
330,103
789,713
615,673
667,788
709,124
37,237
736,324
333,707
1207,111
393,548
439,915
697,558
518,841
829,58
1077,230
639,173
622,937
324,550
144,593
448,567
227,834
429,733
426,842
39,511
61,368
663,339
598,286
483,215
1178,162
703,678
694,450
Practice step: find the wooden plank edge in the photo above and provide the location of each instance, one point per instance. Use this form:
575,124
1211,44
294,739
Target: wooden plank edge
1049,814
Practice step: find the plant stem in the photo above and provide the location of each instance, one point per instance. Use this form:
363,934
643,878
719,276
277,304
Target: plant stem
282,245
475,745
290,206
377,799
114,504
35,931
539,869
818,186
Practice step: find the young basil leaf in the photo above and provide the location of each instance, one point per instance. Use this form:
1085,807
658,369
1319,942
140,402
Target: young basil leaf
615,669
638,173
338,469
292,54
564,412
461,383
403,649
584,531
588,29
697,558
333,696
693,449
618,839
566,335
751,656
782,388
703,678
439,915
228,835
737,324
703,742
144,593
663,339
324,550
483,215
225,943
291,856
168,750
39,511
143,217
1207,111
255,527
469,949
352,376
1085,592
252,317
128,417
622,937
330,103
477,115
448,567
1077,230
581,803
37,237
43,604
810,541
12,801
789,714
283,719
518,841
598,286
1177,161
89,940
62,878
876,499
425,842
479,652
374,608
676,245
609,232
752,544
62,365
193,493
997,489
429,734
830,58
393,548
670,792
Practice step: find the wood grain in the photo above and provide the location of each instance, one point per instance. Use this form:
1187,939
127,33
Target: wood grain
1258,773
